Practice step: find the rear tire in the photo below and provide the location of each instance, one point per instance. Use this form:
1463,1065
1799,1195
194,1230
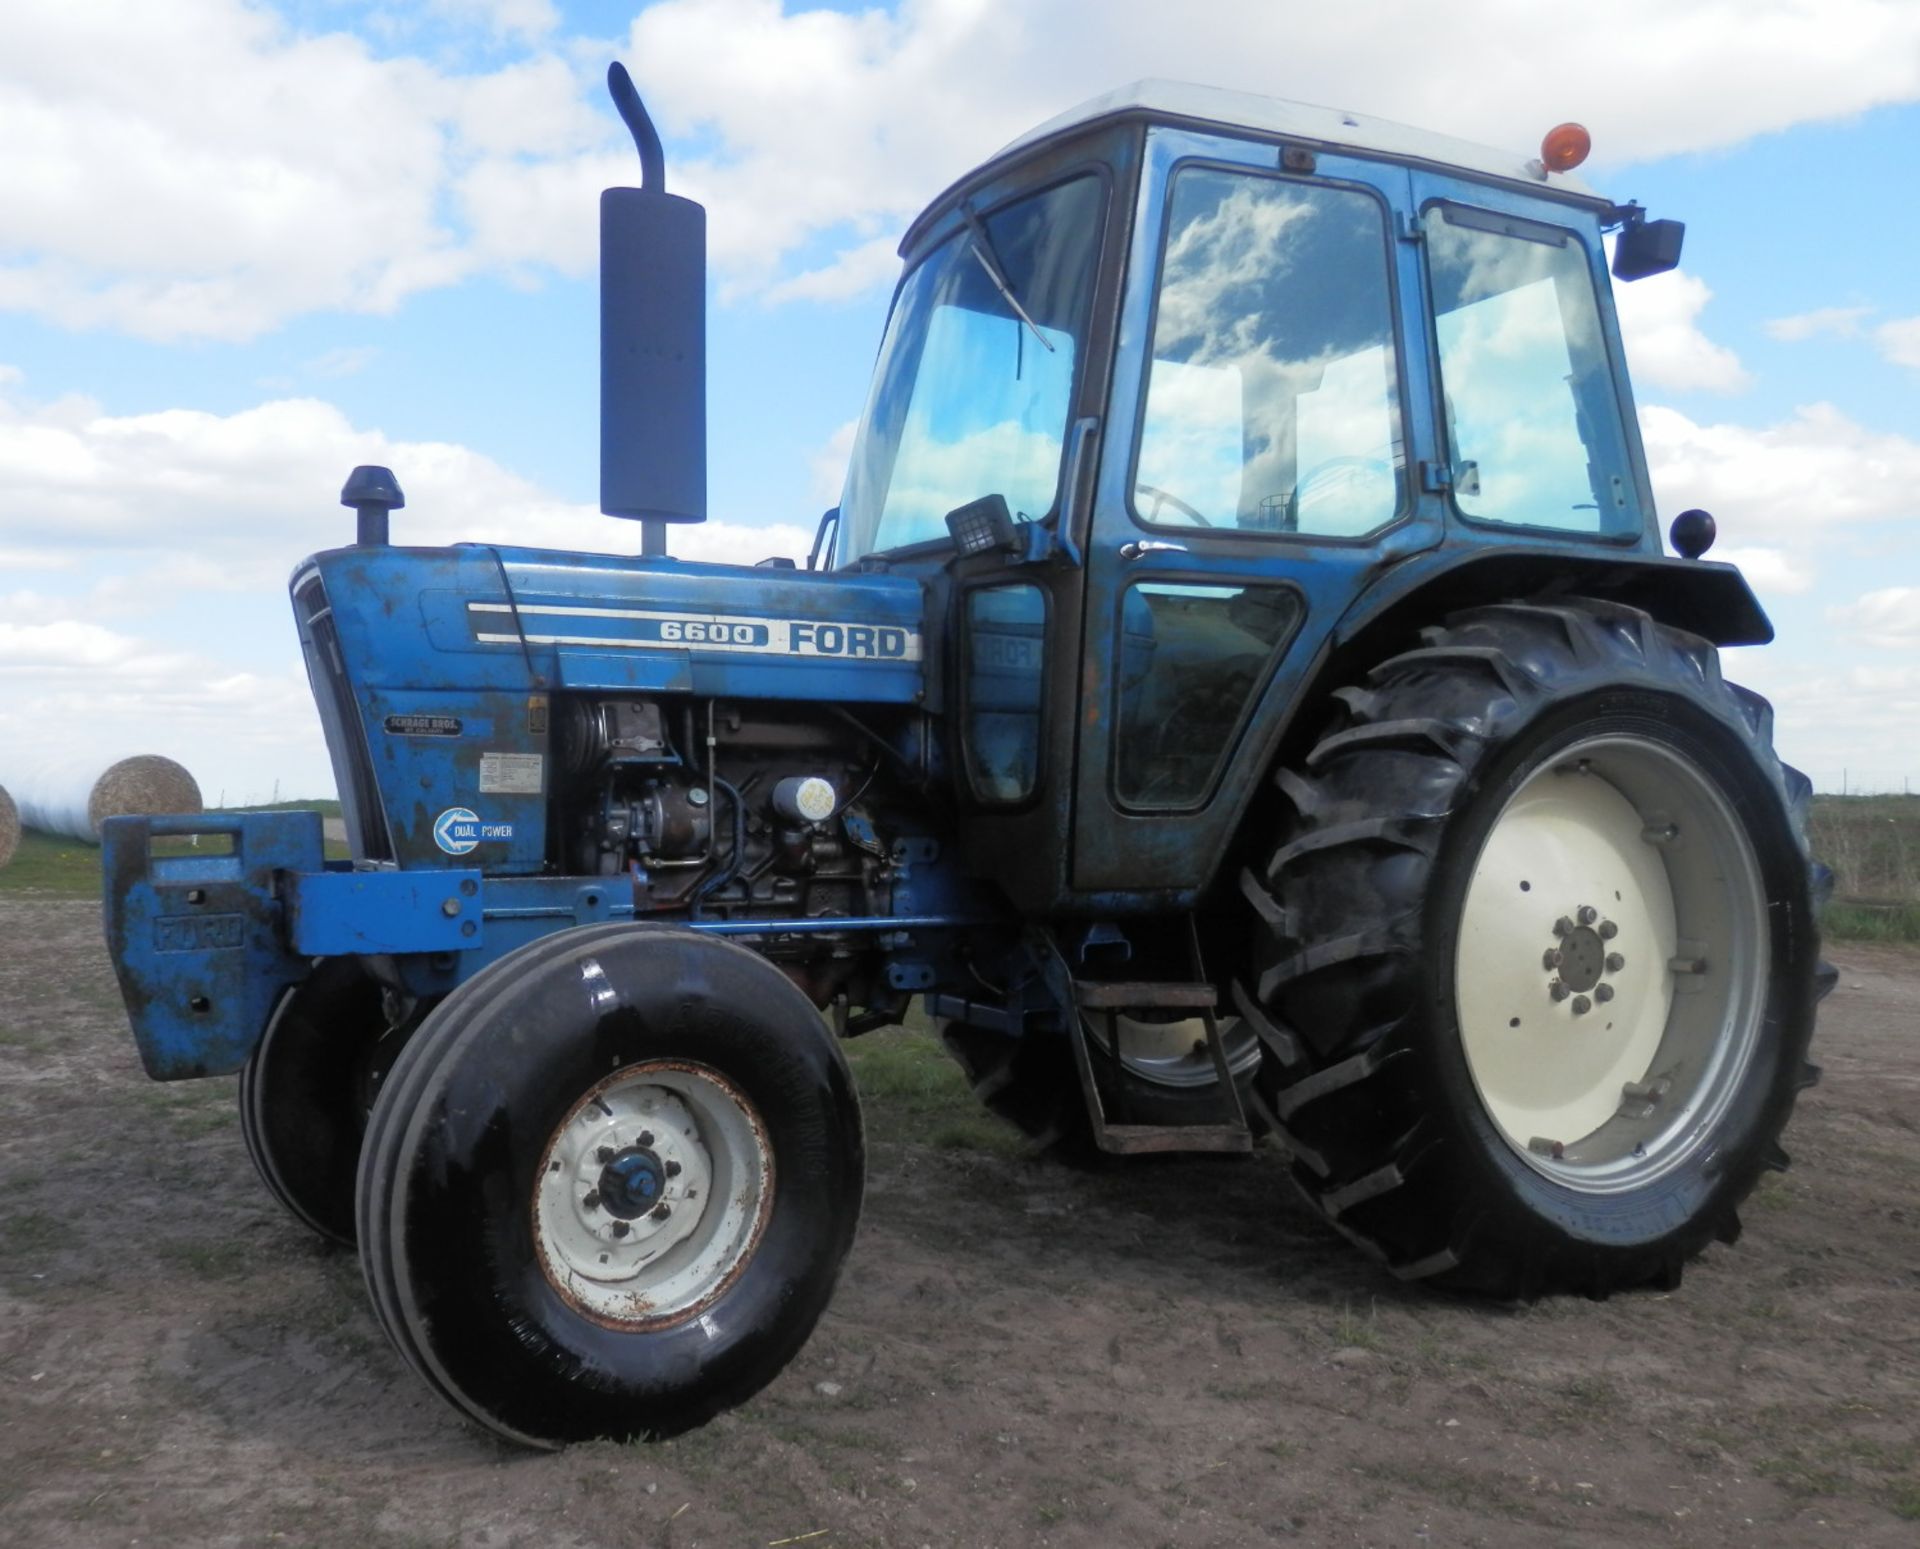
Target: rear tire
609,1185
1489,820
1031,1082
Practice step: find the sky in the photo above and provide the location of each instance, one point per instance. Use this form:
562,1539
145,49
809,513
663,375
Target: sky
246,246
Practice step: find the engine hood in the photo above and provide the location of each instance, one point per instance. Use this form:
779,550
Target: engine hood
477,616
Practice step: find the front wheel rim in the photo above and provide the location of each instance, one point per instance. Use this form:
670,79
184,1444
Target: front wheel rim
1611,963
652,1194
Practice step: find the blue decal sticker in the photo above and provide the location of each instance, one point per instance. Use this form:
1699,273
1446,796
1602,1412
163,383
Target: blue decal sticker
459,830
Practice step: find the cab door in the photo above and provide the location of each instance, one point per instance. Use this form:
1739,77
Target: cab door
1267,417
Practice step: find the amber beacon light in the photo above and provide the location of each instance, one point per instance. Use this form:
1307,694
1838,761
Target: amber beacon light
1565,147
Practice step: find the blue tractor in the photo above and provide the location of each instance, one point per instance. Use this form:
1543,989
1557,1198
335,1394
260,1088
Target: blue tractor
1241,694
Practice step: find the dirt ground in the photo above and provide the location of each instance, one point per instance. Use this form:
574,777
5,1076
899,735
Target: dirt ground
1019,1354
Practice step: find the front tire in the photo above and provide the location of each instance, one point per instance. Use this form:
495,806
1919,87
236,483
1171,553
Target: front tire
609,1185
306,1090
1537,963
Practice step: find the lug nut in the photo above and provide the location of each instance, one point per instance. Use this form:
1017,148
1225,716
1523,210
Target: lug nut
1608,930
673,1168
592,1200
1563,926
1558,990
645,1138
603,1155
661,1211
1588,914
1615,962
620,1228
1551,959
1581,1005
1603,993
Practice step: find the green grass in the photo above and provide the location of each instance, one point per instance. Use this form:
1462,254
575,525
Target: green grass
44,864
1871,922
67,868
911,1090
1873,845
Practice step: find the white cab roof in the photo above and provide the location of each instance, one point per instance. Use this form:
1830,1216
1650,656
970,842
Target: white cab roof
1300,121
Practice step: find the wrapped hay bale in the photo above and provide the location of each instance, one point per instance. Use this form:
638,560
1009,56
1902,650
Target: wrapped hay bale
9,826
74,798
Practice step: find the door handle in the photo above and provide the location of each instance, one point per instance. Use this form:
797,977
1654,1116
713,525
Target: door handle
1135,548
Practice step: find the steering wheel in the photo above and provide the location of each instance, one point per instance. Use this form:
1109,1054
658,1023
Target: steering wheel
1163,497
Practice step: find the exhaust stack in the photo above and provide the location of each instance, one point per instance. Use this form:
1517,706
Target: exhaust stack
653,341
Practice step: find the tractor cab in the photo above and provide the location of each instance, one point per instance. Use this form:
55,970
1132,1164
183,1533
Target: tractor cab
1181,391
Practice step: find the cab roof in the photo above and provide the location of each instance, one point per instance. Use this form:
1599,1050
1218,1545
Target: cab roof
1326,128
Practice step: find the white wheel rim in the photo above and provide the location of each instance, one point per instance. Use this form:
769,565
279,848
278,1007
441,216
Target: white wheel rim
1611,963
1174,1054
652,1194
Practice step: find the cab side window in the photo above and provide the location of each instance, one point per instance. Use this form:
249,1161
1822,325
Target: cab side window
1272,401
1532,424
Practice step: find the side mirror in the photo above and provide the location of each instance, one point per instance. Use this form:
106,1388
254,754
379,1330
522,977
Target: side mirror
1647,247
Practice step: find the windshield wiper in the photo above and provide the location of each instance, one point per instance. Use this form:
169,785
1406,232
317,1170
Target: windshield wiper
982,246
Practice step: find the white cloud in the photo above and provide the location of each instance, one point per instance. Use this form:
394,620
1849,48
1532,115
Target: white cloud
820,117
1659,321
1899,341
64,645
1832,719
244,735
200,169
344,360
527,19
853,273
1887,619
829,465
203,169
256,489
1842,322
1770,572
1789,485
184,524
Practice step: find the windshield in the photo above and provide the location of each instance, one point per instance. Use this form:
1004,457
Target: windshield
970,398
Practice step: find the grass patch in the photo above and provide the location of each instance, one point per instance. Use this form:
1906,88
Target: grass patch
51,863
44,864
911,1090
24,1042
1873,845
1871,922
1357,1332
224,1258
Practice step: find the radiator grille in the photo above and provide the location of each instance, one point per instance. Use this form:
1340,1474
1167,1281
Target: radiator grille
360,805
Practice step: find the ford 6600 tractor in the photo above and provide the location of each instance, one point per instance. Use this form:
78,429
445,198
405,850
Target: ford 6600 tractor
1241,694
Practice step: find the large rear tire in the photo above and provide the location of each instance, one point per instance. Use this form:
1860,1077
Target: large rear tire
1164,1076
1536,960
609,1184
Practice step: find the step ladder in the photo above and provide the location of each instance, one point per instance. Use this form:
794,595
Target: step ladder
1107,999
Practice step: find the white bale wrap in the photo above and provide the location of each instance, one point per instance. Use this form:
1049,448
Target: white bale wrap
9,826
73,798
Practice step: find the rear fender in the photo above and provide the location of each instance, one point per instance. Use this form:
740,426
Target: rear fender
1702,597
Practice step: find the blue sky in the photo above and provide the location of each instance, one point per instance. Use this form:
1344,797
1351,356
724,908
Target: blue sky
243,246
